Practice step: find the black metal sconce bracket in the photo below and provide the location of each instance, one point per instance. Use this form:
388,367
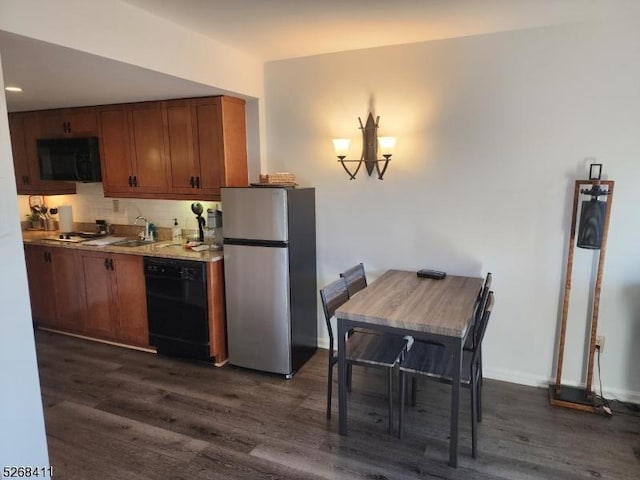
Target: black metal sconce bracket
369,151
352,176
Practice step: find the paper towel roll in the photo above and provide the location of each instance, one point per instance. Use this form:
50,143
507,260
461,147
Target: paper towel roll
65,215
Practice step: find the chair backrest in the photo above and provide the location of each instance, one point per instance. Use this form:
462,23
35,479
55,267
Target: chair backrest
481,303
483,294
356,278
482,325
333,296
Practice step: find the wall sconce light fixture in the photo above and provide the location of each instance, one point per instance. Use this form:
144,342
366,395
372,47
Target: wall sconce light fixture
370,143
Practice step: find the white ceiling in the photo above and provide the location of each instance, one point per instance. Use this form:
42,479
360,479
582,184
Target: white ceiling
279,29
55,76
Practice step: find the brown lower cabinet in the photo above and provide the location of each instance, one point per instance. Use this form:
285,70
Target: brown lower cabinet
115,298
56,301
96,294
102,295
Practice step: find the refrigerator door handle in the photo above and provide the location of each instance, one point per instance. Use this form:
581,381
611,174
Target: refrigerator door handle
256,243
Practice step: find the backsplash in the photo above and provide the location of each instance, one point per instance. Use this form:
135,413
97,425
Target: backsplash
90,204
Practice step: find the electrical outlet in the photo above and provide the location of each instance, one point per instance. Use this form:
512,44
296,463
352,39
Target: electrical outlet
116,205
600,343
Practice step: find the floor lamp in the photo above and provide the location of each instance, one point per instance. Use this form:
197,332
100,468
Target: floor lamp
592,234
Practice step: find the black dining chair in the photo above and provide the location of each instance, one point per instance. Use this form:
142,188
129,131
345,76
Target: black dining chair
470,344
434,361
356,279
362,348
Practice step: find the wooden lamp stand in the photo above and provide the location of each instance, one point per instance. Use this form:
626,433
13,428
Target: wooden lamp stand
562,395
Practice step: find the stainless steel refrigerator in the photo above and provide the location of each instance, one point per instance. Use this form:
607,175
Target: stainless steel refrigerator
270,277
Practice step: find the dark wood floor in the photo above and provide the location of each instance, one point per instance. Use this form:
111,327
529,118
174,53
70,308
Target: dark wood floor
113,413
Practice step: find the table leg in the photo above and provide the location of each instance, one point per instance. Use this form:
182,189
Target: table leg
455,403
342,378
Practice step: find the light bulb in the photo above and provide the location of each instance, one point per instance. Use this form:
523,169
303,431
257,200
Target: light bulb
387,144
341,146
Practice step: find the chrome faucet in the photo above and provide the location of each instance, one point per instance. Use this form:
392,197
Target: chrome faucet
146,235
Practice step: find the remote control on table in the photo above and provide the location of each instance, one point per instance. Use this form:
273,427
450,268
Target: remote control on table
435,274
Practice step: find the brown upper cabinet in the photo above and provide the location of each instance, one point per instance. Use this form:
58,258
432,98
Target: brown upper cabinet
206,146
68,122
175,149
115,150
148,155
24,131
132,150
181,141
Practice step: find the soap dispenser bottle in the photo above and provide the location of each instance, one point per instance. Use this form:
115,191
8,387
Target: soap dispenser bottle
176,231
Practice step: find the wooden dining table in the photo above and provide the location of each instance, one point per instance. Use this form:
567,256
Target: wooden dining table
402,303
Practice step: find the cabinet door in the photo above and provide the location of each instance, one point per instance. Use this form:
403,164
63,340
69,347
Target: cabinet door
40,277
146,127
115,154
207,114
82,122
180,139
221,143
130,298
68,293
99,309
234,139
68,122
52,124
18,148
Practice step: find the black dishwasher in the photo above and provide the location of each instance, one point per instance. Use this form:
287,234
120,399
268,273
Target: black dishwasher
177,307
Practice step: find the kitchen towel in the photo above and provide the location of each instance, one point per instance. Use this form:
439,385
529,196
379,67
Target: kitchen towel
65,215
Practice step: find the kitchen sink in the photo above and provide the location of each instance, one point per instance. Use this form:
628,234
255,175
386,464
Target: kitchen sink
136,242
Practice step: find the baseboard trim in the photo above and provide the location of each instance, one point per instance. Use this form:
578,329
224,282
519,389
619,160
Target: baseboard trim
538,381
93,339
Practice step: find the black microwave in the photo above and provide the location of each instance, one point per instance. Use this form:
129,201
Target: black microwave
70,159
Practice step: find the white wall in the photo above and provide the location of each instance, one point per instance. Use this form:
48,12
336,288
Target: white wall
491,133
22,436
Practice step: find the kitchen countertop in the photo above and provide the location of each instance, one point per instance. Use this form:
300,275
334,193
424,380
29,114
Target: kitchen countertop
163,249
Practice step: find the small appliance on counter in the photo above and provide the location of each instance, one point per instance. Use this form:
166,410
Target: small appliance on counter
214,227
102,227
197,209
